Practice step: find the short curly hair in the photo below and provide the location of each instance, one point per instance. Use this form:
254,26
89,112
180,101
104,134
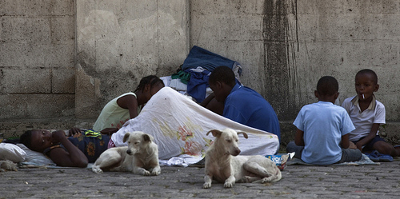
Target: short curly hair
369,71
327,86
26,138
222,74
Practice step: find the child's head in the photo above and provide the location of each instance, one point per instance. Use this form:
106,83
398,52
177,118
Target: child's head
25,138
37,140
366,83
221,81
327,89
370,73
150,84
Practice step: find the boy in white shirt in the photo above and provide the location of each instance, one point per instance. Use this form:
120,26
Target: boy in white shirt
367,115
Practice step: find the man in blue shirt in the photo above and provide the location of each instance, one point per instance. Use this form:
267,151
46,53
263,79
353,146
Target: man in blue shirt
242,104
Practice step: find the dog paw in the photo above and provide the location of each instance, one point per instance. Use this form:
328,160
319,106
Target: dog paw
146,173
97,170
206,185
228,185
269,179
155,172
245,179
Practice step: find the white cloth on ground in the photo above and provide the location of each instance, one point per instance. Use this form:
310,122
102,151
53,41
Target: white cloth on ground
11,152
179,127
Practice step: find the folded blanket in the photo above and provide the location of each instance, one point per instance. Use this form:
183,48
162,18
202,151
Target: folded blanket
179,127
206,59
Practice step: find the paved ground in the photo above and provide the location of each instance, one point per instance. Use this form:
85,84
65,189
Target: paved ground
369,181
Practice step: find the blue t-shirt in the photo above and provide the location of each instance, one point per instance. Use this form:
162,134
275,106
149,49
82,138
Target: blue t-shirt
246,106
323,124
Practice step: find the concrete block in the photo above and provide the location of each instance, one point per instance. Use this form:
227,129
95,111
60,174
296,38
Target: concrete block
62,29
228,7
36,8
173,42
33,106
129,9
33,30
11,7
371,7
59,55
229,27
22,80
63,80
326,7
18,55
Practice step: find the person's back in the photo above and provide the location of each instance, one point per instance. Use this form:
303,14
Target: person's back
242,104
127,106
112,115
322,135
246,106
322,123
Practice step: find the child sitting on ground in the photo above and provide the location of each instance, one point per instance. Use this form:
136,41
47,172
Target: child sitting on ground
322,135
367,114
127,106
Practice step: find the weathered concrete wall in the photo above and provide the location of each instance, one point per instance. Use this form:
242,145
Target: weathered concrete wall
284,46
36,59
121,41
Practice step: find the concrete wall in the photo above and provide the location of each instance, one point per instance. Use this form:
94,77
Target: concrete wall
284,46
121,41
37,40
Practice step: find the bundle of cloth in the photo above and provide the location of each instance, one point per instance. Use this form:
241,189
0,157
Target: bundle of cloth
192,79
179,127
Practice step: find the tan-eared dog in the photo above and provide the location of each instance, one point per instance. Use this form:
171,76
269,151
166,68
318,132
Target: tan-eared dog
224,164
139,157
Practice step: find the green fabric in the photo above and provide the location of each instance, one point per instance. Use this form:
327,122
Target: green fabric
91,133
182,75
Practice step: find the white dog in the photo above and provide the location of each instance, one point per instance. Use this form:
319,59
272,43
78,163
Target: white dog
223,163
139,157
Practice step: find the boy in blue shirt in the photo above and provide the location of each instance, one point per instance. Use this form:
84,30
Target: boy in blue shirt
242,104
322,135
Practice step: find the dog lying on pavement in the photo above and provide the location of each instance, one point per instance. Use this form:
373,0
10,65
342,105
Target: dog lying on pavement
139,157
224,164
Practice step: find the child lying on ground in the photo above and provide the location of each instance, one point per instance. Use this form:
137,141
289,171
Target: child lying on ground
76,150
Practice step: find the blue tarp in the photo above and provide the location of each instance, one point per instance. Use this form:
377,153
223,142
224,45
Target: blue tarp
206,59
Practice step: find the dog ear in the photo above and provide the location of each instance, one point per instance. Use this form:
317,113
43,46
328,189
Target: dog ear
126,137
146,138
244,134
216,133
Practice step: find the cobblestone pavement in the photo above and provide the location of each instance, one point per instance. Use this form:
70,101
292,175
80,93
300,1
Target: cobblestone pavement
369,181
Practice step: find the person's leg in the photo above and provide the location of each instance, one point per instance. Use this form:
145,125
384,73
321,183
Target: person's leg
386,148
352,145
350,155
292,147
382,147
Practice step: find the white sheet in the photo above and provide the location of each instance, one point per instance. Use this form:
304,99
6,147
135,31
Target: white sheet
179,127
